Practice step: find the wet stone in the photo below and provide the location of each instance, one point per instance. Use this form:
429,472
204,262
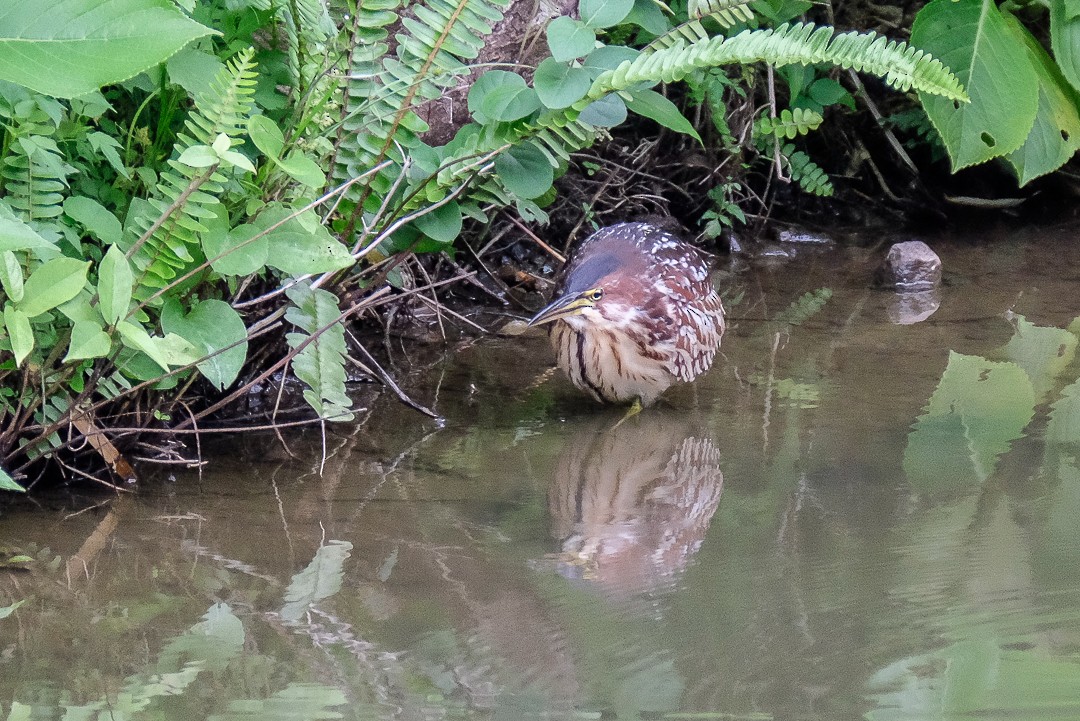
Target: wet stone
911,266
802,237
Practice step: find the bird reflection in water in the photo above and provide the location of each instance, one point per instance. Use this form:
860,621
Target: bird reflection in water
632,503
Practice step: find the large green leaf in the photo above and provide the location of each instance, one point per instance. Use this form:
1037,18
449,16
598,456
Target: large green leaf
569,39
115,281
560,84
655,106
442,224
54,282
11,277
95,217
20,334
604,13
1055,136
299,245
972,38
1065,40
170,350
17,235
210,326
87,341
501,95
607,112
65,48
525,171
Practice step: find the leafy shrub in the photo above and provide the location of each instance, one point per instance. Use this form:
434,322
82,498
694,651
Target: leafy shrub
150,231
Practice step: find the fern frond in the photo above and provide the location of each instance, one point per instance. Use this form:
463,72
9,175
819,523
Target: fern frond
790,124
383,90
725,12
691,31
35,178
808,174
321,363
33,174
224,108
900,65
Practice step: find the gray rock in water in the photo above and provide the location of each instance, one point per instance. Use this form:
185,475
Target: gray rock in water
911,266
802,237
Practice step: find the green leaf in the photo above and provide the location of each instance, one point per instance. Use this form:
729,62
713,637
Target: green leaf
568,39
655,106
301,245
1065,40
238,159
302,169
194,70
19,332
266,136
93,216
502,96
243,256
77,46
442,224
88,340
164,351
108,147
54,282
648,15
525,171
606,112
199,156
560,85
11,277
972,38
610,57
826,91
7,483
210,326
115,281
17,235
604,13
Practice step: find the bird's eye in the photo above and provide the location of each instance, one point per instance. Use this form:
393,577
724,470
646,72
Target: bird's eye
596,295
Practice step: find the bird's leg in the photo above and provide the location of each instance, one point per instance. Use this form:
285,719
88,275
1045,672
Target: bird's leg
632,411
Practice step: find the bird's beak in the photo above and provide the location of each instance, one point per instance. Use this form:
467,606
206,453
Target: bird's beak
561,308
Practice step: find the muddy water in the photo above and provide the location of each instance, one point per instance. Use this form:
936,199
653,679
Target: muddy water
846,518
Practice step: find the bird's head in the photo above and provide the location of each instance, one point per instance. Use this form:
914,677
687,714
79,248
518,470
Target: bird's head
586,289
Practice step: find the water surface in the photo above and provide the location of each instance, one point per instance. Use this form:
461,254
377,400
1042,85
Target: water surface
847,518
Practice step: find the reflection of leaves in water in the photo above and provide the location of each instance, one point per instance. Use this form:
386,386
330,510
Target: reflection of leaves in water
804,307
209,644
213,642
800,395
977,410
321,579
1042,352
1064,426
977,678
295,702
8,610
